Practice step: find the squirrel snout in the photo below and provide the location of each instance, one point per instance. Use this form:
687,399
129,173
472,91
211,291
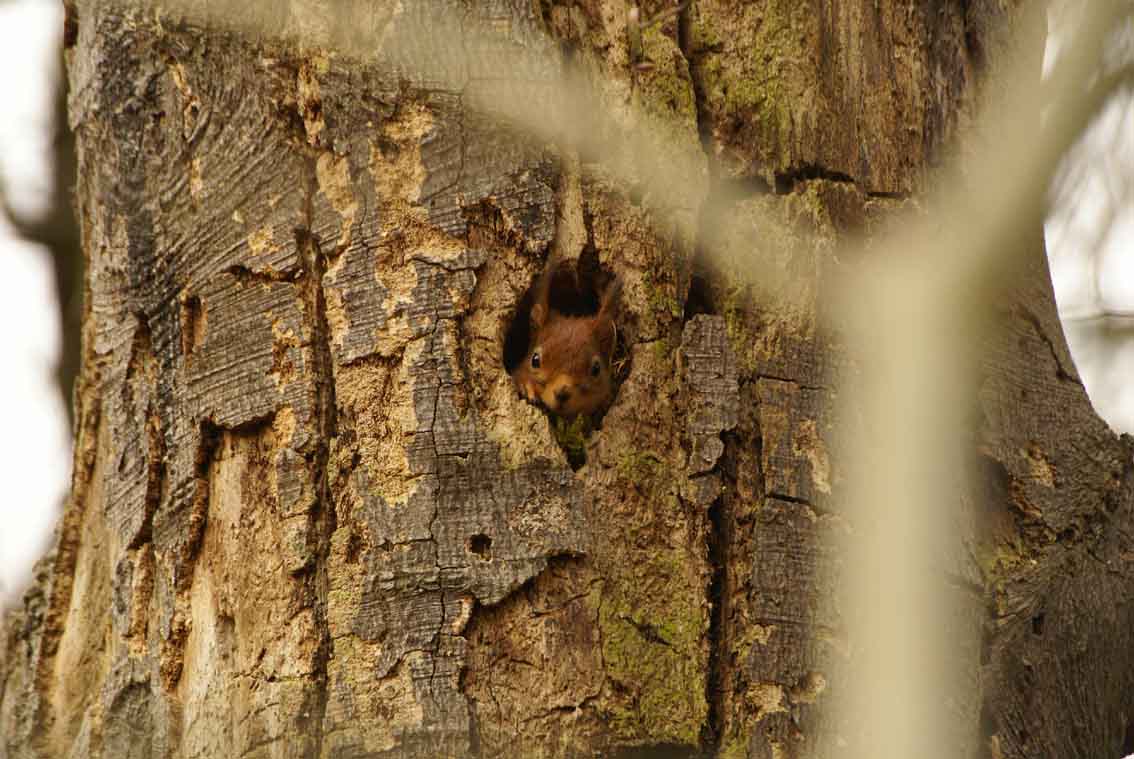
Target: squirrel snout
559,393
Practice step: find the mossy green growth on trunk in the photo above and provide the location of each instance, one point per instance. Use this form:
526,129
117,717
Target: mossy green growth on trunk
656,656
571,434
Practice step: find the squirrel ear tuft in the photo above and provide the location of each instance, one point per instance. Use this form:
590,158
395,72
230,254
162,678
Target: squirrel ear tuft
542,297
541,308
608,303
538,315
606,332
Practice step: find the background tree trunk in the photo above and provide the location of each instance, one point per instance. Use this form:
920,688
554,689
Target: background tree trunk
311,518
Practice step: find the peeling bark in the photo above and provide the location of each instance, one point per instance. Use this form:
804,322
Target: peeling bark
309,515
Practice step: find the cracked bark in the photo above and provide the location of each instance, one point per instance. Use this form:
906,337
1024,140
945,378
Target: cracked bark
310,517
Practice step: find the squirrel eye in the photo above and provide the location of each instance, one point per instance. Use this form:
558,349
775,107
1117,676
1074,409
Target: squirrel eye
596,367
535,360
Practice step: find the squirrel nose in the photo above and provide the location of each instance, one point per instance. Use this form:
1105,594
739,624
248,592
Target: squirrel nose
562,395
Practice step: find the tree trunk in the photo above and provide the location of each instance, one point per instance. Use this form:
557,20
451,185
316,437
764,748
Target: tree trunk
310,516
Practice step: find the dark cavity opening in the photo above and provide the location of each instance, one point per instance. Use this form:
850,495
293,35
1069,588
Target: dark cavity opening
574,290
481,545
700,298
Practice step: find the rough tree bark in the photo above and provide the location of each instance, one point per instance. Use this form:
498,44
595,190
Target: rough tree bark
309,515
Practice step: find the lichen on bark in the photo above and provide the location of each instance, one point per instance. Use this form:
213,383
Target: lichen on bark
311,518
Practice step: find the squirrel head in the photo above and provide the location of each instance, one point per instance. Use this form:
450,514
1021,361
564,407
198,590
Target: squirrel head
567,367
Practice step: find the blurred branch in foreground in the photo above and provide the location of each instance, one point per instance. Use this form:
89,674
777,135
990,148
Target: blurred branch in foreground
919,308
57,230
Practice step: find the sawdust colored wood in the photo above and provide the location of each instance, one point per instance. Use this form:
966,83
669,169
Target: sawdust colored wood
309,515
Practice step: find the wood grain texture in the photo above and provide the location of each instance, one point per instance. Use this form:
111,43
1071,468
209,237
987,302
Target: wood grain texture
309,515
1059,499
868,93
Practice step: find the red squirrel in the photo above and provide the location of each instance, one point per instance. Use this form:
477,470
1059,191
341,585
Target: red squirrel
567,365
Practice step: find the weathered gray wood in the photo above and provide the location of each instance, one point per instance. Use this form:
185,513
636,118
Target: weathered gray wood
311,518
870,96
1059,506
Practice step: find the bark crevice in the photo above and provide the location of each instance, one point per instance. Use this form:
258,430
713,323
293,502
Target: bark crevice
322,517
718,542
787,180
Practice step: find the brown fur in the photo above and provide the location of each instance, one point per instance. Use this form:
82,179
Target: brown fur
569,347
